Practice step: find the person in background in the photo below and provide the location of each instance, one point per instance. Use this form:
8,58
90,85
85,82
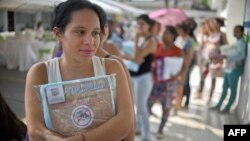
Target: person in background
203,61
219,24
110,46
212,62
115,37
142,79
218,38
39,30
120,30
77,25
233,70
183,41
191,24
164,90
155,31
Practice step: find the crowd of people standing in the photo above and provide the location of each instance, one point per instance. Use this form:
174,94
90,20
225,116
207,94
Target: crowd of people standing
153,43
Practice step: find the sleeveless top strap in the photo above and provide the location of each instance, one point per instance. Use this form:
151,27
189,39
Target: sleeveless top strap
48,71
98,66
103,65
53,70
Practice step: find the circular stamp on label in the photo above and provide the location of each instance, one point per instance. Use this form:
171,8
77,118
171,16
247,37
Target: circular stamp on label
82,116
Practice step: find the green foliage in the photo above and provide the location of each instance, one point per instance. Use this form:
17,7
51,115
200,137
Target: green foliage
204,2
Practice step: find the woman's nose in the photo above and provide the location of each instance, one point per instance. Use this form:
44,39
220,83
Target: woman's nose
89,39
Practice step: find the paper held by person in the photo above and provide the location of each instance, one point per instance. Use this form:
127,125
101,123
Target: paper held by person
228,50
172,66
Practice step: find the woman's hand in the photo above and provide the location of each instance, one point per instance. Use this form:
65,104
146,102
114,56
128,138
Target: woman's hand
137,36
172,76
138,60
49,136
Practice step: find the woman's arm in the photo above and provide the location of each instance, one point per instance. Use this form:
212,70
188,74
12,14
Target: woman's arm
149,47
224,38
131,136
188,54
34,115
120,126
184,66
127,74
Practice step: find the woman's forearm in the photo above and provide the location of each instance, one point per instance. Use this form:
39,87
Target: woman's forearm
107,131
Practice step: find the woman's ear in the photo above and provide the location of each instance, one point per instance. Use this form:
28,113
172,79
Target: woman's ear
57,33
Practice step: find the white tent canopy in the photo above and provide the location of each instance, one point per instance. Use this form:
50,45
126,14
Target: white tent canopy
20,5
48,5
107,7
126,8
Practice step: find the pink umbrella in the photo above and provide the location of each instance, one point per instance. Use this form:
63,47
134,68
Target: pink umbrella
168,16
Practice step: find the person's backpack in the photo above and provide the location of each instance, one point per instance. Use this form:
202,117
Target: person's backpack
11,128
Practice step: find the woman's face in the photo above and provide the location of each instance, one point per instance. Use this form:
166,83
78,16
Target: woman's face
142,26
179,31
156,29
167,37
205,27
237,32
81,37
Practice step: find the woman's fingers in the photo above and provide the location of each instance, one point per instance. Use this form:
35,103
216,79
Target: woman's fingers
40,133
48,136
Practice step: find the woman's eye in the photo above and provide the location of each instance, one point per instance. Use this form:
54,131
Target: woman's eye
80,33
96,33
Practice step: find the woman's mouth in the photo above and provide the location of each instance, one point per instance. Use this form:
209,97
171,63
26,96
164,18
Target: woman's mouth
86,51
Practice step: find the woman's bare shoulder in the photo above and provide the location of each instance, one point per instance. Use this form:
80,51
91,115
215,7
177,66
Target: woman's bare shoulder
112,65
111,61
38,72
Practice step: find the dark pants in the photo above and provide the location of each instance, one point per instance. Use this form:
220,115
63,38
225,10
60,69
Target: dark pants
186,87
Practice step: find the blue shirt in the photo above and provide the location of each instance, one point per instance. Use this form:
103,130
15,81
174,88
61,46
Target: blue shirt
238,58
117,40
188,44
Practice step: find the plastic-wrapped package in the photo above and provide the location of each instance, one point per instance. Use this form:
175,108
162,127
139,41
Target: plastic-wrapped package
76,106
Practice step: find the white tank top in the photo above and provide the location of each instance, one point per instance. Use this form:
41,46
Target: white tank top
54,73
